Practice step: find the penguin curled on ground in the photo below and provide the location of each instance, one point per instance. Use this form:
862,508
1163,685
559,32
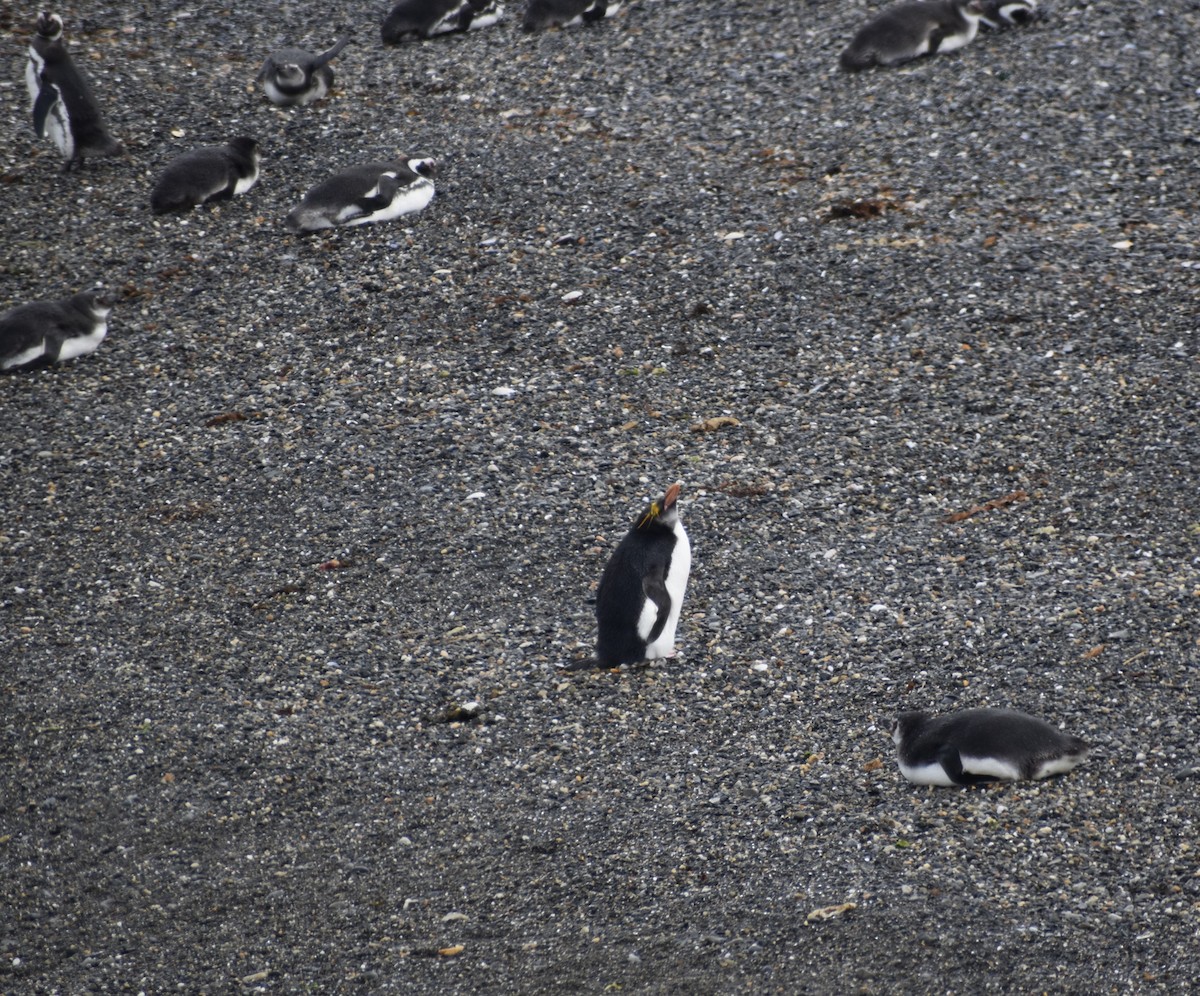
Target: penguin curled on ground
61,100
363,195
411,19
45,332
209,173
542,14
642,588
908,30
999,14
982,745
293,77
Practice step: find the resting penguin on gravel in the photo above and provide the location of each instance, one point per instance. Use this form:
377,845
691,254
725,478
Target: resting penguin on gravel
908,30
62,102
542,14
45,332
363,195
293,77
641,591
411,19
982,745
209,173
999,14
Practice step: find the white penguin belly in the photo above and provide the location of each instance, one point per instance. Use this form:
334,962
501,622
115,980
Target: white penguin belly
81,345
412,198
676,584
993,767
245,183
25,356
926,774
957,41
59,130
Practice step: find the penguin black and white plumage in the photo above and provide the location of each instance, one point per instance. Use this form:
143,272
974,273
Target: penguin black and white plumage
641,591
211,172
542,14
364,195
293,77
61,101
413,19
998,14
982,745
44,332
909,30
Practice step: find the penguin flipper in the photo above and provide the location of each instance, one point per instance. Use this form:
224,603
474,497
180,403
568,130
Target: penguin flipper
951,762
331,53
654,584
47,97
381,195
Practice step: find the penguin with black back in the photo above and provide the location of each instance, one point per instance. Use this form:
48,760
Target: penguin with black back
1000,14
542,14
209,173
982,745
61,101
906,31
292,77
44,332
420,19
641,591
364,195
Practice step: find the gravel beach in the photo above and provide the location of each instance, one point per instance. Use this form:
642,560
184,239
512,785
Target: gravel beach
290,567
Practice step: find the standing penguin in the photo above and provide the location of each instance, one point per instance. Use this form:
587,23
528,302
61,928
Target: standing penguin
45,332
641,591
411,19
982,745
209,173
293,77
363,195
542,14
908,30
61,101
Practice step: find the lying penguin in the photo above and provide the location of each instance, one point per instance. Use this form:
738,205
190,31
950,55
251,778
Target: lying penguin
542,14
982,745
293,77
364,195
909,30
44,332
411,19
209,173
62,103
641,591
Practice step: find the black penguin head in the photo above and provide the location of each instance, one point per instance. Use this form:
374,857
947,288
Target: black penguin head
246,145
423,166
49,26
661,514
905,723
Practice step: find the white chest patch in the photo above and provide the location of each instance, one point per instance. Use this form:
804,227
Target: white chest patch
83,344
925,774
246,182
412,198
957,41
676,584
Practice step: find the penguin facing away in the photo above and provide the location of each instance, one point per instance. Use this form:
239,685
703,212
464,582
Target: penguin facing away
62,104
542,14
209,173
641,591
999,14
292,77
982,745
44,332
412,19
364,195
908,30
